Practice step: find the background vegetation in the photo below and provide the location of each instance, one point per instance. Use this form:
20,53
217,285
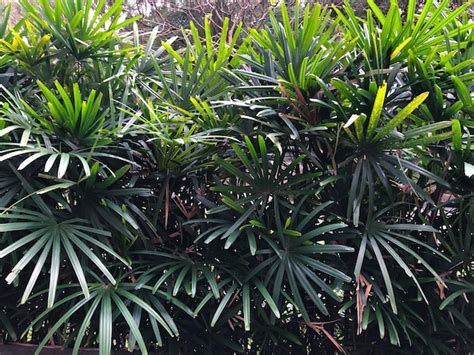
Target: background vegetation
304,186
170,15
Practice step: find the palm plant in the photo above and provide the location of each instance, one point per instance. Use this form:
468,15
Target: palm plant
305,187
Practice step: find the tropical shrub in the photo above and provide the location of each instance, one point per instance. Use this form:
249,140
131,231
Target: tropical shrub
304,187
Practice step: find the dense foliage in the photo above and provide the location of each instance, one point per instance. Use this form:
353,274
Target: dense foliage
306,187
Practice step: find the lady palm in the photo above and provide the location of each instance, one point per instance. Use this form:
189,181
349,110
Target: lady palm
303,187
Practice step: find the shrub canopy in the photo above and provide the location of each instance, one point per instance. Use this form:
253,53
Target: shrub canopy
304,187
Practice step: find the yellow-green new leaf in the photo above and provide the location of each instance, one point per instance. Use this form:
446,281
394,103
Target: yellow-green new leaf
401,116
